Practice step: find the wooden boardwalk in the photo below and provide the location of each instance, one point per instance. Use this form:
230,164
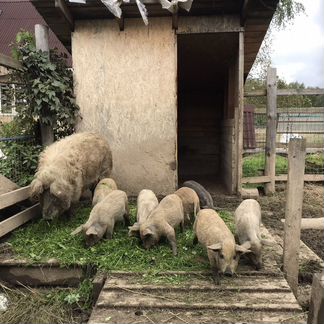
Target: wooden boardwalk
191,297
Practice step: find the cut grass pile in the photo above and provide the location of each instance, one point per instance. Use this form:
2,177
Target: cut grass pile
47,305
42,240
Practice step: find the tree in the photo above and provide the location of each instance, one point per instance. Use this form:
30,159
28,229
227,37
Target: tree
286,12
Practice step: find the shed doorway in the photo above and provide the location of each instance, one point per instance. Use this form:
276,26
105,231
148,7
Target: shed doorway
204,65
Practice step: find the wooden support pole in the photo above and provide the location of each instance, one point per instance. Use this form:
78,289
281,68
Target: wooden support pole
316,307
65,12
41,37
270,150
293,212
239,115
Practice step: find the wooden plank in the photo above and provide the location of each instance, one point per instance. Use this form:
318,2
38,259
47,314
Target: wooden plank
282,177
311,223
285,92
13,197
42,275
19,219
261,179
9,62
245,301
302,92
65,12
208,24
270,149
293,211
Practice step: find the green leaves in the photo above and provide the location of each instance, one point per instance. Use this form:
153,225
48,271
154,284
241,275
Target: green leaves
47,94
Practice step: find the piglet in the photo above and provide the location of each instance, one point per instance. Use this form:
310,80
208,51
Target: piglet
146,203
190,202
162,221
103,188
247,222
223,254
103,216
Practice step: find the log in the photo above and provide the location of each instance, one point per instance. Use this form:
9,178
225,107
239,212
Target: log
311,223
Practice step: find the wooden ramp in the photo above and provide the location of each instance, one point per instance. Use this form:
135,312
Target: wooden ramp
192,297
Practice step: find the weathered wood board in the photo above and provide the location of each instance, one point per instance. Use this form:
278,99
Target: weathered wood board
251,296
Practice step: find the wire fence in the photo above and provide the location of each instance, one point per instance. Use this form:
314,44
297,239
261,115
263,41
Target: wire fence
18,158
292,122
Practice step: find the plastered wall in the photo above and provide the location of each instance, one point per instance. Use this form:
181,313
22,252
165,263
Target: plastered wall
125,83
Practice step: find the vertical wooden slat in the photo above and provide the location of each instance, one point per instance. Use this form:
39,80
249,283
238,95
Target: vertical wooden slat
270,150
239,124
293,212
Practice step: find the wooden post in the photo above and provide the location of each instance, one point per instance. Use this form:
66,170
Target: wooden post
316,307
41,37
240,109
270,150
293,212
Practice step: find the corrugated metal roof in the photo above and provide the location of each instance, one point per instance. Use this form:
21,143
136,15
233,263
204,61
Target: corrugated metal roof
16,15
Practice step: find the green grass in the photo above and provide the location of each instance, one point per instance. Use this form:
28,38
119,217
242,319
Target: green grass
42,240
253,165
317,159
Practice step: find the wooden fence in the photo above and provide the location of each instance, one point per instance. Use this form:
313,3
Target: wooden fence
271,146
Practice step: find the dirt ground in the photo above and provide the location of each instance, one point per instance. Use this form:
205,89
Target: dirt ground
273,210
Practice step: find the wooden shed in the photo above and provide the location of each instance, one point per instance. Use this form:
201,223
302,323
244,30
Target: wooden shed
168,96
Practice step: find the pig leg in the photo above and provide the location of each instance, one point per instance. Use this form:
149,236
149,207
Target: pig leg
215,276
126,216
182,225
195,240
171,237
109,234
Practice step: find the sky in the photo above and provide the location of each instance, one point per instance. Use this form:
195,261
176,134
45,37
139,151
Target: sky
298,50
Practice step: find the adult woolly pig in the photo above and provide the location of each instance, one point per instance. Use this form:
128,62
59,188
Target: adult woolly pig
223,254
67,168
247,222
205,199
162,221
103,216
146,203
103,189
190,202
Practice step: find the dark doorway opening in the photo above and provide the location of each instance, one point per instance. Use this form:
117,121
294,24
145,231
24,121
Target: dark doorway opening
204,61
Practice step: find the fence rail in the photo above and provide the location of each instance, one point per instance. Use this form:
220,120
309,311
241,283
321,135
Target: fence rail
270,151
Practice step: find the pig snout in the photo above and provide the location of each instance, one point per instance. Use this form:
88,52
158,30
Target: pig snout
228,272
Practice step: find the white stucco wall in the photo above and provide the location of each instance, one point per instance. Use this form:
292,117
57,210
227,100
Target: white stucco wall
125,83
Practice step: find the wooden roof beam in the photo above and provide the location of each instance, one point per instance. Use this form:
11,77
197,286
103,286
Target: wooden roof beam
244,11
65,12
9,62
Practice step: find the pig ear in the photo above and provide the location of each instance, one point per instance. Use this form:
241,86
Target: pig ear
215,247
36,189
147,232
77,230
91,231
241,249
59,191
246,245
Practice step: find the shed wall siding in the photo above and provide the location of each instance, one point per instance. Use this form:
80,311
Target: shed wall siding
125,85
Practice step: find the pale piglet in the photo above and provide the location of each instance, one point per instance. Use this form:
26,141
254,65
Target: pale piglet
190,202
247,222
103,189
146,203
223,254
103,216
162,222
